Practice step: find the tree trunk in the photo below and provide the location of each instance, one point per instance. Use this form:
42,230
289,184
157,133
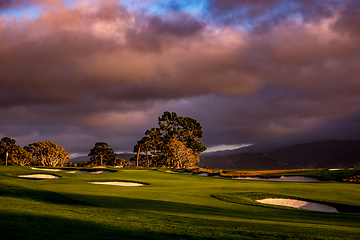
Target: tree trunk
137,159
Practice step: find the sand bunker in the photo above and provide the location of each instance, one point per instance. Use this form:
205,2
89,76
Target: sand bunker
282,179
298,204
48,169
88,172
77,171
41,176
124,184
203,174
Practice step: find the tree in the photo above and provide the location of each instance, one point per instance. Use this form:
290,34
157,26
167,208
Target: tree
7,146
47,153
102,154
173,130
179,156
122,163
21,156
149,145
184,129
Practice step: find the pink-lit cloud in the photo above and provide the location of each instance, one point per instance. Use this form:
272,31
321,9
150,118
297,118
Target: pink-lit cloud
100,70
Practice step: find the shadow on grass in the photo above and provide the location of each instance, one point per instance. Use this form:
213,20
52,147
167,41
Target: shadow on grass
42,196
114,202
173,208
24,226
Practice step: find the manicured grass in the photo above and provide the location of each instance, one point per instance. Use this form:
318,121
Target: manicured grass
171,206
329,175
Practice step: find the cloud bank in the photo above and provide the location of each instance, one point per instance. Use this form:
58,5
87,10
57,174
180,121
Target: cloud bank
248,71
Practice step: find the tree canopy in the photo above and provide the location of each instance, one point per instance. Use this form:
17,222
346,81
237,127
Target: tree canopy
47,153
21,157
179,156
13,153
101,154
7,147
177,138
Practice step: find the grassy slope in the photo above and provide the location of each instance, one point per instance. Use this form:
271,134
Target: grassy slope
173,206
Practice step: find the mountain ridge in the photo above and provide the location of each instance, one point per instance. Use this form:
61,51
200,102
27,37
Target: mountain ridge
321,154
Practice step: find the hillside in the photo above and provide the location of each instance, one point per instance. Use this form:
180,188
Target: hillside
242,161
324,154
331,153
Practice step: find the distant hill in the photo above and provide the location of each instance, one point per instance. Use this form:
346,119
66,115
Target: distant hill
80,159
125,156
320,154
243,161
324,154
349,161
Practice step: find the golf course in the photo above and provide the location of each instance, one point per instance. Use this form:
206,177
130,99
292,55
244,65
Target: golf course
162,204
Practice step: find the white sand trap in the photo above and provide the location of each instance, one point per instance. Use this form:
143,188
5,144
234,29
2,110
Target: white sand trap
124,184
216,176
203,174
88,172
334,169
187,173
298,204
42,176
48,169
282,179
170,171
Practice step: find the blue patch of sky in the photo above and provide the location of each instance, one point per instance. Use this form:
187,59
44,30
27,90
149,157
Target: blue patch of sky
69,2
161,7
31,12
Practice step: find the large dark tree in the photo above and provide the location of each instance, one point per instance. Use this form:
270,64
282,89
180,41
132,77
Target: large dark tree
150,146
173,130
184,129
102,155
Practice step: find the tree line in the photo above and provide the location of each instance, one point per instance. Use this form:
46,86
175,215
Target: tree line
43,153
175,143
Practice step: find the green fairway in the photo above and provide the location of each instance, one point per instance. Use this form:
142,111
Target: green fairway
170,206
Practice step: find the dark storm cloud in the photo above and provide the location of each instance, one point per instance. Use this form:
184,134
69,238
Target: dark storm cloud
265,14
154,33
101,72
348,22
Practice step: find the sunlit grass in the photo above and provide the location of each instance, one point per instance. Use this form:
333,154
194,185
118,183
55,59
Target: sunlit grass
172,206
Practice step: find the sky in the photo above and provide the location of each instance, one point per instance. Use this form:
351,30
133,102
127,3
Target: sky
271,72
